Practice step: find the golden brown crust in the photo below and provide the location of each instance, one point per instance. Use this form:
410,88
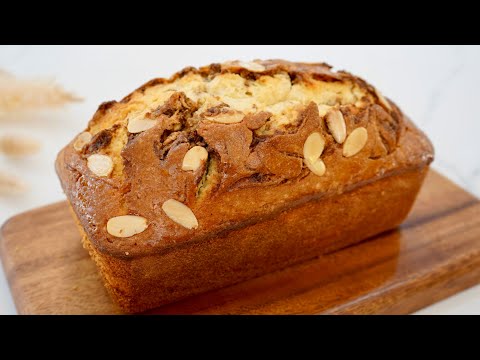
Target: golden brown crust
256,175
311,229
255,171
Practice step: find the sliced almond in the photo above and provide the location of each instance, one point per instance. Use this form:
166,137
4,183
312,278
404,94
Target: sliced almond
180,213
100,165
382,100
323,109
194,158
81,140
317,167
227,118
252,66
137,125
355,142
336,125
313,147
126,225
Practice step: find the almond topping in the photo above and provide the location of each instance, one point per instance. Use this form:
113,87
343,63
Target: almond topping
317,167
382,100
137,125
355,142
313,147
194,158
81,140
336,125
252,66
100,165
227,118
323,109
126,225
180,213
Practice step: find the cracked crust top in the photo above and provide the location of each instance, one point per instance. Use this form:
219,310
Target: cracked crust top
253,120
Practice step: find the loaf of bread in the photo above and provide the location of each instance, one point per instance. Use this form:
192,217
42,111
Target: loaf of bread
229,171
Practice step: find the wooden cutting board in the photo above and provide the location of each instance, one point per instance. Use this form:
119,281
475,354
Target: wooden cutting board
434,254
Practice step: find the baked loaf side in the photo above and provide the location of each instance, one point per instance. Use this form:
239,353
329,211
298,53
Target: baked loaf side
221,149
299,234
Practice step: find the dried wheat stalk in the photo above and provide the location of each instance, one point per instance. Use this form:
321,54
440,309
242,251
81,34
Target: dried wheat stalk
18,145
10,185
20,94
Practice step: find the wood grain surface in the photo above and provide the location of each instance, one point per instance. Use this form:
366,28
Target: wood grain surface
434,254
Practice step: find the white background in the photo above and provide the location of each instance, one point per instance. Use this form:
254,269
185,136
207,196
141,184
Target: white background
437,86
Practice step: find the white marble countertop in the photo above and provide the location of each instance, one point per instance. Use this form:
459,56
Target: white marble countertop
435,85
